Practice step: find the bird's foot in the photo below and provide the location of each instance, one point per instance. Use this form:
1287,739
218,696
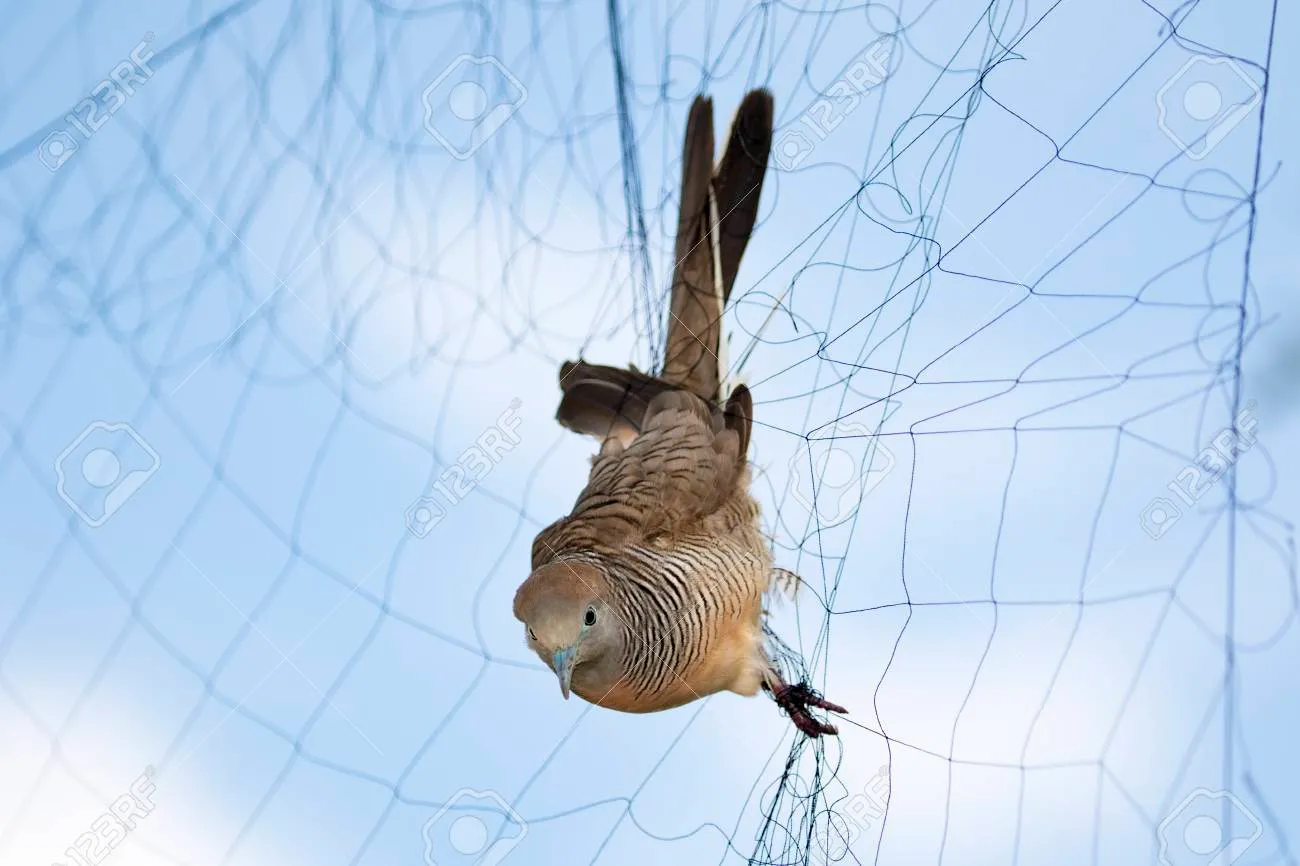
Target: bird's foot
796,700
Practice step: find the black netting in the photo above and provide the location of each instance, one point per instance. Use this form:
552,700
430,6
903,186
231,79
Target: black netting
285,287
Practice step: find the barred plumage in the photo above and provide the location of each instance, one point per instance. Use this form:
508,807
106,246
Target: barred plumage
649,593
680,603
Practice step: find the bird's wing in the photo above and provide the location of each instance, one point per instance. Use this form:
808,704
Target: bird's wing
739,416
605,401
682,468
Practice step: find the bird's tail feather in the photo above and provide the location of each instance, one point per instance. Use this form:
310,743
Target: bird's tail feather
695,304
718,211
738,182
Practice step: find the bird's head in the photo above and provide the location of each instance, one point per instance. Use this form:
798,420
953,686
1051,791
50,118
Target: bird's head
568,622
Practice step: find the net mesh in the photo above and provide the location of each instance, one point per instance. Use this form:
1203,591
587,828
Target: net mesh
285,287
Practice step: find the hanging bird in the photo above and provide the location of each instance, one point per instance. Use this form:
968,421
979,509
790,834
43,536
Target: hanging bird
650,593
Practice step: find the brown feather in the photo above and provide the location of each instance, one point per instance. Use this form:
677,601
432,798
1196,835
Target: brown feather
738,182
678,471
695,305
601,401
740,415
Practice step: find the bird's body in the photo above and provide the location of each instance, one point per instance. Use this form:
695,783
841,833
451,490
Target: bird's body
649,594
692,592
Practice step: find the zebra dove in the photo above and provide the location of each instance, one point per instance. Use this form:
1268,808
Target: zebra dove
649,594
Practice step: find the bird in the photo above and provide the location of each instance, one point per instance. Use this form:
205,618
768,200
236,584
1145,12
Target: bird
649,594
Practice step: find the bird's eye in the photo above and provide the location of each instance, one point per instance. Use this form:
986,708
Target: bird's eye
531,634
590,617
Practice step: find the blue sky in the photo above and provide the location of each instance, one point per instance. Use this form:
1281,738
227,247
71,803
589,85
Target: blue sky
306,308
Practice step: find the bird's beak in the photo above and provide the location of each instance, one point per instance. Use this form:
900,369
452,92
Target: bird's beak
562,664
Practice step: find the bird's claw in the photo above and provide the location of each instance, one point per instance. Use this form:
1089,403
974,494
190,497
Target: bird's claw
796,700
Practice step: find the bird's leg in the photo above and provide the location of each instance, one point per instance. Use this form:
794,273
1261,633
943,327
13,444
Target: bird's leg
796,700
